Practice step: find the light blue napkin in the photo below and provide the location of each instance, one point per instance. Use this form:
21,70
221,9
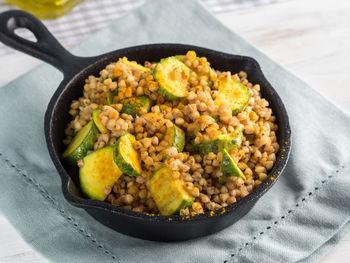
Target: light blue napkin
299,220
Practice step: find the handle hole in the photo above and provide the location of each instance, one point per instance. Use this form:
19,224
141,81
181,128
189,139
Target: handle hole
26,34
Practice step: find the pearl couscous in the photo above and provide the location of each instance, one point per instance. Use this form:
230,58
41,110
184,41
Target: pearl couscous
191,106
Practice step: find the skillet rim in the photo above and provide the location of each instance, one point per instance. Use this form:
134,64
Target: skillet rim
256,194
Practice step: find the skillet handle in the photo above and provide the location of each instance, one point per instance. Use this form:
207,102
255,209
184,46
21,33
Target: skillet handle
46,48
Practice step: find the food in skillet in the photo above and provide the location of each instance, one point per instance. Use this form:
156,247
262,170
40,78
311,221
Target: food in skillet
173,137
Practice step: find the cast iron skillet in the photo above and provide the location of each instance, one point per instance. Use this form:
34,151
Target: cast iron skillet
77,69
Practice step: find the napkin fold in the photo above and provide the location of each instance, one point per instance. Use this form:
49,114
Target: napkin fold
303,216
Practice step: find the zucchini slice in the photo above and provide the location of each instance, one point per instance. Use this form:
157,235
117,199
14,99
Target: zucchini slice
97,120
82,142
170,87
229,168
99,171
127,159
134,64
210,82
111,95
175,137
132,106
169,193
224,141
208,75
233,93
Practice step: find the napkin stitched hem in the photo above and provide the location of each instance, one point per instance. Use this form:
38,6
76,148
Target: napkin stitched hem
73,222
290,211
89,236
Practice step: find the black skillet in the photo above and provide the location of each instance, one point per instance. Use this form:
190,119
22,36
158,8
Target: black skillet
77,69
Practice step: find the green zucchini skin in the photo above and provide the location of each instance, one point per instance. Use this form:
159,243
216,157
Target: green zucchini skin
99,171
111,95
177,138
156,171
166,84
233,93
168,96
169,193
133,106
225,141
128,166
82,142
184,204
97,120
210,82
229,168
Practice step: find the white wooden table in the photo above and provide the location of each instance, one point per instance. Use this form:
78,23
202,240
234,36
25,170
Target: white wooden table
311,38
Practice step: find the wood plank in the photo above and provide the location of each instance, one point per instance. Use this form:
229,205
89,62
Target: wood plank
13,248
311,38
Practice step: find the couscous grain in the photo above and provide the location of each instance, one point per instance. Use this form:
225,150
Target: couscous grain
197,115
